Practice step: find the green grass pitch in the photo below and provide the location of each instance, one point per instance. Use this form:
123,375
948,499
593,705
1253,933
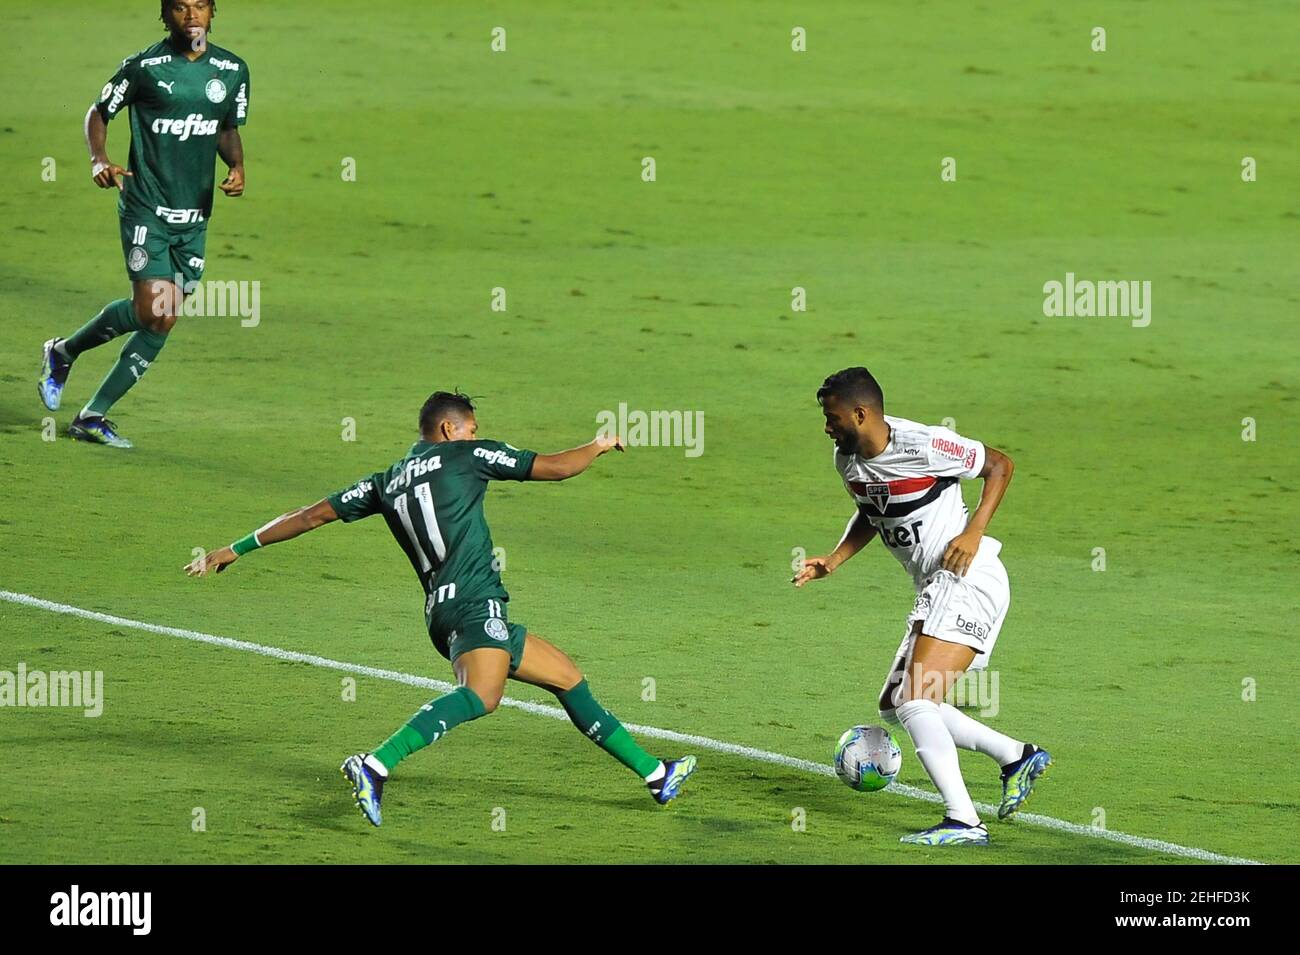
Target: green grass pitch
774,169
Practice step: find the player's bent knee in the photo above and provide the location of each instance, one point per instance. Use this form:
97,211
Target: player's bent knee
155,314
570,678
491,699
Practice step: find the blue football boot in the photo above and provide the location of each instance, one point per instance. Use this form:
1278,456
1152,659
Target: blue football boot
367,786
1018,779
97,429
54,375
669,786
949,832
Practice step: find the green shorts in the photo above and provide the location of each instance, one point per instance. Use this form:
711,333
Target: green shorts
152,252
459,626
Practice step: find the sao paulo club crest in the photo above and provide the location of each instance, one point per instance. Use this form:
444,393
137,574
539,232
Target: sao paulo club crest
496,629
216,91
878,495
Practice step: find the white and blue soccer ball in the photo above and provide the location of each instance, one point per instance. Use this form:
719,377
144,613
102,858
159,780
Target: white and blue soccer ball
867,758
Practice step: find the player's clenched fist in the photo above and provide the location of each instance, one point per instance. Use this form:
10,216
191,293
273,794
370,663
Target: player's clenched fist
814,568
961,551
233,184
217,560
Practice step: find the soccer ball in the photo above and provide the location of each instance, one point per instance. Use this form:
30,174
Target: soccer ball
867,758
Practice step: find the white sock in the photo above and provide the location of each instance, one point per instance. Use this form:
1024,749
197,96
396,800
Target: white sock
376,765
63,352
938,754
658,774
971,734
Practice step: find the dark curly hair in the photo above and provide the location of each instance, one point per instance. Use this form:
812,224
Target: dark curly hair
162,10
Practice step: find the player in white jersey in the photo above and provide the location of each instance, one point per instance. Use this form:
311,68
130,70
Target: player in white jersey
904,478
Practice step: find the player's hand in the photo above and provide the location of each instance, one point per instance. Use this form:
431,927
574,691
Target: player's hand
107,174
609,442
961,551
814,568
233,184
217,560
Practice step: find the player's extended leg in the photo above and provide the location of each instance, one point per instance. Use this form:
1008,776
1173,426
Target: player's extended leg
967,733
547,666
932,667
482,677
116,318
1021,763
156,304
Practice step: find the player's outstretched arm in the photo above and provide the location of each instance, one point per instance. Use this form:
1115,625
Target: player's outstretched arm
102,169
857,535
567,464
283,528
996,473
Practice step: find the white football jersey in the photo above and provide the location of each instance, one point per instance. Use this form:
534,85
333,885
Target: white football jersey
911,495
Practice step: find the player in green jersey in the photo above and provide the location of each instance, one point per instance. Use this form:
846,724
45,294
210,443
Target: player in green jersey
432,501
187,99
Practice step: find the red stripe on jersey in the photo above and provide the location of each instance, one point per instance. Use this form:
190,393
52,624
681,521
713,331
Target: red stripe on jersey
897,488
910,485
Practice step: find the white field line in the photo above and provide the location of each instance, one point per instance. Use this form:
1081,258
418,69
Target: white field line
554,712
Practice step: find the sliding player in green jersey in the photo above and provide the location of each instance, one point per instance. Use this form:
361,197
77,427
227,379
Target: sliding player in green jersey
187,99
432,501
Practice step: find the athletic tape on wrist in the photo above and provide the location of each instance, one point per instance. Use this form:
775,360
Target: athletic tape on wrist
245,544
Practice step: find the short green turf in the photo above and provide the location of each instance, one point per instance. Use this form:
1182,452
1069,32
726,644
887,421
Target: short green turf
1164,685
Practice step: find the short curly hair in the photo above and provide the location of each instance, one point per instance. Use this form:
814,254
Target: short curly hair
162,9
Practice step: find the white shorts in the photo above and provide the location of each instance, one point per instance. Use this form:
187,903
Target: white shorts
967,610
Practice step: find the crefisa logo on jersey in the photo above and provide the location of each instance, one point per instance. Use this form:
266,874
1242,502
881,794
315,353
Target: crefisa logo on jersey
361,489
216,91
496,457
118,93
192,125
414,468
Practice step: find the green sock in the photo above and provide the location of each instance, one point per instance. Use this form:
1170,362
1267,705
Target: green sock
435,719
137,355
117,318
603,728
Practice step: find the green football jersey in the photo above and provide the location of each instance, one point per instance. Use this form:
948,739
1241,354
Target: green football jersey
178,108
432,500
